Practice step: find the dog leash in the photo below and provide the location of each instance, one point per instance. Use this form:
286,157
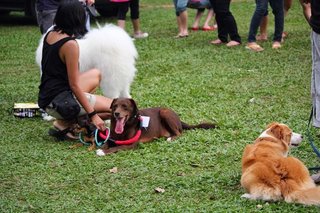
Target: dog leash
93,13
97,137
311,141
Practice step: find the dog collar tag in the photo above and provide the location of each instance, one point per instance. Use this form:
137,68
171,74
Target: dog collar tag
145,121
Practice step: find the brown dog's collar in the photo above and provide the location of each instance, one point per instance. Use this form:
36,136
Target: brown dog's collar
132,140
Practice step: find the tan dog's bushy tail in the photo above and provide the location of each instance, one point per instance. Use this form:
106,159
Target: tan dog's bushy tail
307,197
198,126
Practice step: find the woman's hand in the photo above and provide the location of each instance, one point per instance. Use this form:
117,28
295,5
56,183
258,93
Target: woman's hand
98,122
90,2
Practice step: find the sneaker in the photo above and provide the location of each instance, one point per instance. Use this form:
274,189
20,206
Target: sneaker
140,35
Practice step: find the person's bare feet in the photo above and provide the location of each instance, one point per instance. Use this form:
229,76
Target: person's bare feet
216,42
284,35
233,43
262,37
276,45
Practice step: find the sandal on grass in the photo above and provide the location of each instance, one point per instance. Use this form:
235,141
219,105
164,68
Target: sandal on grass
61,135
181,36
63,130
254,47
210,28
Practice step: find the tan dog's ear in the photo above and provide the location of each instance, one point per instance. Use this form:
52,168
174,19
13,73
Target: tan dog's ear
271,124
287,136
114,100
277,131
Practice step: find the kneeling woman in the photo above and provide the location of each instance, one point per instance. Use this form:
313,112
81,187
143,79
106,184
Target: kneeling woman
60,68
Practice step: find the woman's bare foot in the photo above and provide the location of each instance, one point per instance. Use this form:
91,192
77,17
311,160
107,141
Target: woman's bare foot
262,37
233,43
276,45
216,42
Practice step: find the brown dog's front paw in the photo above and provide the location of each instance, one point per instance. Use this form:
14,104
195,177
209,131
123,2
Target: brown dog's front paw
91,148
100,152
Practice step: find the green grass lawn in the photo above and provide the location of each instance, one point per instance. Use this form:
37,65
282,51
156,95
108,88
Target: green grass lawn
200,172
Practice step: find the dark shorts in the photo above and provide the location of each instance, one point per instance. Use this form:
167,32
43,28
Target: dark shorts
91,98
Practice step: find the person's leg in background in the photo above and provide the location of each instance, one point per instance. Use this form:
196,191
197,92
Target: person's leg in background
45,19
123,8
315,79
232,28
207,26
182,17
135,15
222,30
287,5
226,23
263,36
196,23
258,15
306,8
278,11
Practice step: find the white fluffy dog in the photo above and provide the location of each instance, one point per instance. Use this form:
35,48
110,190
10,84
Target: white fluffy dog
111,50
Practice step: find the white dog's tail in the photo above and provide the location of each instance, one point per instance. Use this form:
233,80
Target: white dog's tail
307,197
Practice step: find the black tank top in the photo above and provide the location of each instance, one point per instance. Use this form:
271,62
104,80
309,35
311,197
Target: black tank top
54,79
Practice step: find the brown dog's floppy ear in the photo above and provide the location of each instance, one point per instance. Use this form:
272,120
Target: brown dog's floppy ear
134,106
114,100
287,134
271,124
277,131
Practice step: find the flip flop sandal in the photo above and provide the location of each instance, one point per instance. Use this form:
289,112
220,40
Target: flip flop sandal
181,36
254,47
61,135
208,28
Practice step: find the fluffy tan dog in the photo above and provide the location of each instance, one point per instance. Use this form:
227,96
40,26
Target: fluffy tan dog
268,174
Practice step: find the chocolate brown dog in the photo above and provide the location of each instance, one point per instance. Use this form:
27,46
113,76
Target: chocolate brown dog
130,125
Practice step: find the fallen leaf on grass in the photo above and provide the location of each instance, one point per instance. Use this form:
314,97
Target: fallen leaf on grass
113,170
252,100
159,190
181,174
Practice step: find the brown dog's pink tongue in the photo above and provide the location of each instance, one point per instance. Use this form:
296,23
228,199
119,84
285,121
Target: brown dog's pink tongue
119,126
